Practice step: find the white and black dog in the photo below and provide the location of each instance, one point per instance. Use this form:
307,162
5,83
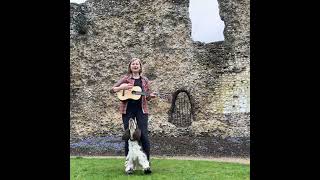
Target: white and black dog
136,156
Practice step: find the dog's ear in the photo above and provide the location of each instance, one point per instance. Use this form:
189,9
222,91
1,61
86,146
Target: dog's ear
126,135
137,134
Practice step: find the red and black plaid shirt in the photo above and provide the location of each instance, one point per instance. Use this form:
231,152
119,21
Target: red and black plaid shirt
145,88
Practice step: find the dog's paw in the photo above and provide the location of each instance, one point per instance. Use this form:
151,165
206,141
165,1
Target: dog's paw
147,171
129,172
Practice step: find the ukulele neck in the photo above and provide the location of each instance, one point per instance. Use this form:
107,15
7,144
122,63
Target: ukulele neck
140,93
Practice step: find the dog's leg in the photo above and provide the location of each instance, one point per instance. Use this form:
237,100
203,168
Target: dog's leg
135,164
129,164
143,161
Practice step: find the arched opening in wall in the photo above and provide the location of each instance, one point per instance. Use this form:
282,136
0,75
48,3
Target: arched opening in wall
181,112
206,22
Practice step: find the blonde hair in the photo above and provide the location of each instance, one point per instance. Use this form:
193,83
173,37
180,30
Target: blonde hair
129,68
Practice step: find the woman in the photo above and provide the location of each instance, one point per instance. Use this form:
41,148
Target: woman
135,108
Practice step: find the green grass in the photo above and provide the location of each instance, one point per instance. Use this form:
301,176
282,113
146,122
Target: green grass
105,168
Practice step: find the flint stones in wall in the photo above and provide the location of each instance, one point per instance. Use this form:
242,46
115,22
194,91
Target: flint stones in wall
105,35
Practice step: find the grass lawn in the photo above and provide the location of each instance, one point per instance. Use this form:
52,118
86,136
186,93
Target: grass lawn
105,168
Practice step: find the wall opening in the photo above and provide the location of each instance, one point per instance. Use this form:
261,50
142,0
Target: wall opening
181,112
206,22
77,1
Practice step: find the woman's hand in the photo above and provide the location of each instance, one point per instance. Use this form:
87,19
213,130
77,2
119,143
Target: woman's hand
153,95
126,86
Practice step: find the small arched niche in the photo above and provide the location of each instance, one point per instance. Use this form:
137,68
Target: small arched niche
181,112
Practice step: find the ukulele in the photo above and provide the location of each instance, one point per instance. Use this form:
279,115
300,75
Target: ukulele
135,93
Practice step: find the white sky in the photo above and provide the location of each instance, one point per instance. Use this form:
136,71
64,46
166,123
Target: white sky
77,1
206,23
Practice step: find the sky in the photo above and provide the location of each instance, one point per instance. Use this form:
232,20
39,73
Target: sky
207,25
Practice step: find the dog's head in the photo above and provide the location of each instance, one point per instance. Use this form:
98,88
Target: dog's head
133,132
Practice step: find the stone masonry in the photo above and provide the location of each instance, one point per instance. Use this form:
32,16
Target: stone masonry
106,34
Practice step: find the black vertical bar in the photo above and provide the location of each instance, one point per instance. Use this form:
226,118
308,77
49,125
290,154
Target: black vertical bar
182,102
190,111
187,113
184,109
177,115
187,109
175,111
187,106
180,110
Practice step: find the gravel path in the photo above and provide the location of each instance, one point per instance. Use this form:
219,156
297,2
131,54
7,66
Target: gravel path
217,159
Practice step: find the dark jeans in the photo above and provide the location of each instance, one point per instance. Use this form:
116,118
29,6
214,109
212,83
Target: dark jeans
142,120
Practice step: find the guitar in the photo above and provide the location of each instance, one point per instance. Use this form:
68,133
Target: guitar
135,93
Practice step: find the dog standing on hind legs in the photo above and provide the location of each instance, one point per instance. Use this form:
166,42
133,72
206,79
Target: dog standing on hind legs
136,156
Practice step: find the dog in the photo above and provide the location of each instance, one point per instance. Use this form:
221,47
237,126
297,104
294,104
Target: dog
136,157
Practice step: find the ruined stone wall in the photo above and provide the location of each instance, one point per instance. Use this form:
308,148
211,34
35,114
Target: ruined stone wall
106,34
229,64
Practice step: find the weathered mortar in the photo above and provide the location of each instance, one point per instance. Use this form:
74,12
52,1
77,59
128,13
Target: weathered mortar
106,34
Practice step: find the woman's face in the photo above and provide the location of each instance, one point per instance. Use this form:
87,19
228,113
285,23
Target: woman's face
135,66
